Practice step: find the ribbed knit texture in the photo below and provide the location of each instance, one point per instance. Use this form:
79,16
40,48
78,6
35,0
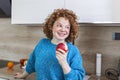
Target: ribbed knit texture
43,61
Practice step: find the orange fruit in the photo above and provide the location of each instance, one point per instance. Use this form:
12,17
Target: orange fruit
10,65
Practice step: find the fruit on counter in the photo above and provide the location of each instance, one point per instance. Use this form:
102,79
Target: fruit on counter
62,46
10,65
23,62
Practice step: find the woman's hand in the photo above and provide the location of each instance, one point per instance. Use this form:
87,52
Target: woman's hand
21,75
18,76
61,56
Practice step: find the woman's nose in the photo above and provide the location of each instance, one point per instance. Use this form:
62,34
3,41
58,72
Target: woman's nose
63,28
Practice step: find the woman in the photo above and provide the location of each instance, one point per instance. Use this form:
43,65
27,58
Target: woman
51,64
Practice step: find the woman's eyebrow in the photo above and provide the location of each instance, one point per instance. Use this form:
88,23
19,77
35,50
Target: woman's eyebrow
62,24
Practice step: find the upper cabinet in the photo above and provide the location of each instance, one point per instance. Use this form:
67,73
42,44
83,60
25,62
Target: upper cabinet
88,11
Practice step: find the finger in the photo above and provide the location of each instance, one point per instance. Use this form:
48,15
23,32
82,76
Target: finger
60,56
15,77
61,51
16,73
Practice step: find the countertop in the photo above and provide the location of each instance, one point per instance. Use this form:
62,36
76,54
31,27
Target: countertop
5,73
93,77
9,74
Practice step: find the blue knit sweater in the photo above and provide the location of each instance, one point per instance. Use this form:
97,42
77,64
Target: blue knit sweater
43,61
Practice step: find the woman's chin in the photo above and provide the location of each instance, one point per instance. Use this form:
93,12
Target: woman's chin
61,38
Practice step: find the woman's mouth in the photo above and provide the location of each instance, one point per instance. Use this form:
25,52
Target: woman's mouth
61,34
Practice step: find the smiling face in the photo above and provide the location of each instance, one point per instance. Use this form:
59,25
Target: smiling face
61,29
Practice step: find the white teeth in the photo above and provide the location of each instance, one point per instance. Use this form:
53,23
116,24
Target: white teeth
61,34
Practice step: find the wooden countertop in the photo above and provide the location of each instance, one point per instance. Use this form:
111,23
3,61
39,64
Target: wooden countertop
94,77
9,74
5,73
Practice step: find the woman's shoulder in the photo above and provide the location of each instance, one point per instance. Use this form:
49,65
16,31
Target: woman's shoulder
44,40
73,50
72,45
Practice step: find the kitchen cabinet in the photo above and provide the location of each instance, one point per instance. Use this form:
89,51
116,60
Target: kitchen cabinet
88,11
33,11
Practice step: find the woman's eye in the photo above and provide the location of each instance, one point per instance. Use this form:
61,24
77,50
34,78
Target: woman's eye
67,27
59,25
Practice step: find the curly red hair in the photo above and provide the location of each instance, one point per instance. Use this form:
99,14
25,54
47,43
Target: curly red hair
68,14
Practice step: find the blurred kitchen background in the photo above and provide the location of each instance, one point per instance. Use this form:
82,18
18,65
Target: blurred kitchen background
18,40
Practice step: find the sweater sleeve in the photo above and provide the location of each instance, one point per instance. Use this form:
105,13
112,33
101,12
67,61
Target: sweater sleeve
77,70
30,67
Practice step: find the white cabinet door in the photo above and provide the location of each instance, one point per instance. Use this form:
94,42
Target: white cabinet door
33,11
91,10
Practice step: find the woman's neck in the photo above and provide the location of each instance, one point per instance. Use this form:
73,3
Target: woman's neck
55,41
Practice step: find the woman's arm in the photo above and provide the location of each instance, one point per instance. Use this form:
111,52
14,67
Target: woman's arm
75,62
74,70
61,56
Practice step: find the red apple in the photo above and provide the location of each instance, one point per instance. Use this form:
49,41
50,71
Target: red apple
22,62
62,46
